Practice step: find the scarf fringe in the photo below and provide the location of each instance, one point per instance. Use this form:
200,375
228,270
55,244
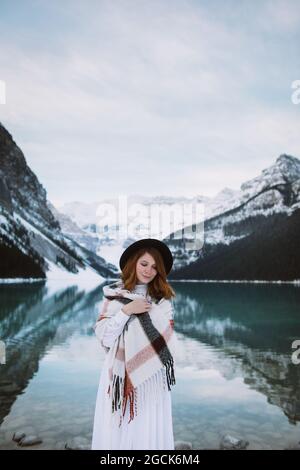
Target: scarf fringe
151,388
170,373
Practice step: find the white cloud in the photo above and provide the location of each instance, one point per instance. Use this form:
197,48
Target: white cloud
170,95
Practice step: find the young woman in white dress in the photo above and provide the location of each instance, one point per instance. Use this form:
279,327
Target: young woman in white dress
144,265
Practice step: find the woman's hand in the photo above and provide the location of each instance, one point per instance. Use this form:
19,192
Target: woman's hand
137,306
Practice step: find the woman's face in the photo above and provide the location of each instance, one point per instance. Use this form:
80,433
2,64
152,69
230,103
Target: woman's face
146,268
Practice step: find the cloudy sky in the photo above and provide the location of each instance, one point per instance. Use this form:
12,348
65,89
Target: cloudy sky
157,97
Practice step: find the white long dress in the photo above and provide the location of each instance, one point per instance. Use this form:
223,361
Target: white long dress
152,428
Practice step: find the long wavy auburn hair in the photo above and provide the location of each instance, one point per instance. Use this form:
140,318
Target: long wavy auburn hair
159,286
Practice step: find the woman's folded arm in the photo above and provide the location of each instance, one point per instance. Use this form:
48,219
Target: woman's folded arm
108,330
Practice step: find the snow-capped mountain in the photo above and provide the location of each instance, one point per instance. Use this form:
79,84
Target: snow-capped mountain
279,177
256,237
112,236
264,211
110,240
82,213
71,230
31,239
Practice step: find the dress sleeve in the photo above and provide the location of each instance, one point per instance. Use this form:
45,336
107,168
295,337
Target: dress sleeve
113,328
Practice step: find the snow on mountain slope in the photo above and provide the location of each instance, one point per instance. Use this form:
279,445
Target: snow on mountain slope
30,235
275,191
230,216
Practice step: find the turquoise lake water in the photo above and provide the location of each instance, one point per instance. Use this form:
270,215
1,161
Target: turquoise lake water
234,370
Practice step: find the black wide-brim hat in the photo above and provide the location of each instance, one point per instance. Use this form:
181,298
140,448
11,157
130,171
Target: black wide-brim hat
145,243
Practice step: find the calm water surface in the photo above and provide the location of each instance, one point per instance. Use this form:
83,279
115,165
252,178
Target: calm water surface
234,369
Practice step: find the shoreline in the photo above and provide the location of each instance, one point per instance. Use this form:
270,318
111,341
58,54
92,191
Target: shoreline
19,280
235,281
245,281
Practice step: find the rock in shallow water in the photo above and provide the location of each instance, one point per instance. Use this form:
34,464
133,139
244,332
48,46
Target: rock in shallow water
18,435
183,445
78,443
232,443
30,441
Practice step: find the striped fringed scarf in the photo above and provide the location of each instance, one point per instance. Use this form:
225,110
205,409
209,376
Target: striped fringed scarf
142,353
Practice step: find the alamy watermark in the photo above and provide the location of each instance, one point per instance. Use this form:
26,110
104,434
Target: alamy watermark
295,97
2,92
122,220
296,354
2,353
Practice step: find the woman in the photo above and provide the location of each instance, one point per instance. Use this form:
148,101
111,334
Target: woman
136,329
